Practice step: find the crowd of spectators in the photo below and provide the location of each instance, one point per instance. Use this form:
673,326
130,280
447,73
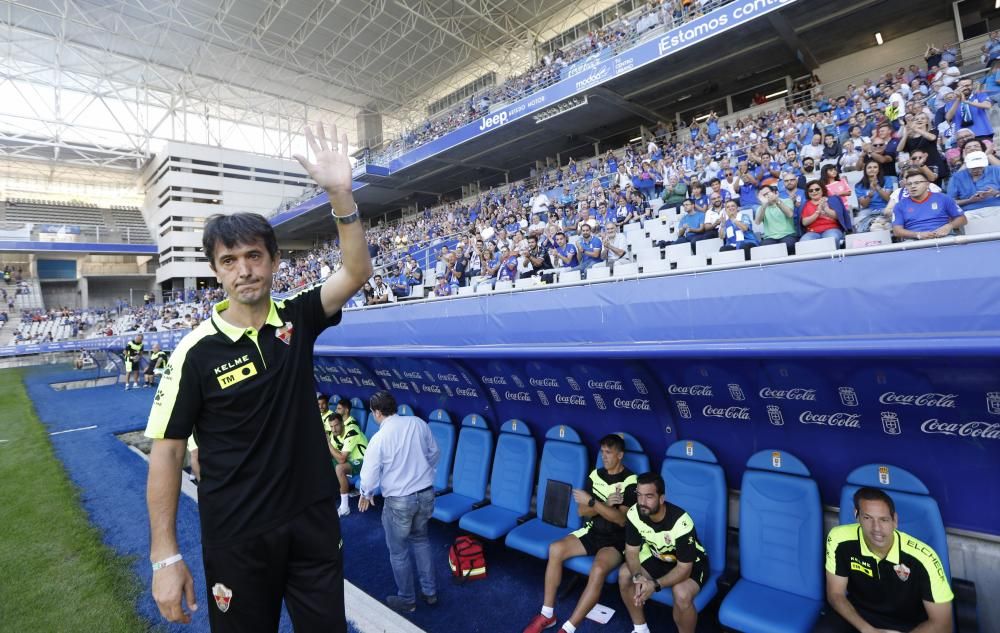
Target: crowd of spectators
864,160
617,36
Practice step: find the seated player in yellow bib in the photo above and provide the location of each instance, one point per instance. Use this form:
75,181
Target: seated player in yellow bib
662,551
348,450
608,493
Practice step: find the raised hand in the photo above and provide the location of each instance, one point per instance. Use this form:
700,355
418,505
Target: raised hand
332,169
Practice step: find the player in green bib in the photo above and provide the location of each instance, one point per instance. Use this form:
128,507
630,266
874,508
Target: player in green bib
133,357
603,502
662,551
157,364
350,453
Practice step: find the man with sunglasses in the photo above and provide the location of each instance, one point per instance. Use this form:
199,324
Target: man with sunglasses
925,214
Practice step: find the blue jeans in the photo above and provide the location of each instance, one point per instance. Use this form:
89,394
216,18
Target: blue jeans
837,234
405,522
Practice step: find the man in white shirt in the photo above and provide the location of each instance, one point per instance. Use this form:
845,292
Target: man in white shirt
381,292
540,202
401,460
614,245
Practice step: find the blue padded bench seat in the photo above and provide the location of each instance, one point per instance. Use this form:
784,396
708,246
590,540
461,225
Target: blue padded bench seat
781,586
695,481
445,436
564,458
472,462
510,483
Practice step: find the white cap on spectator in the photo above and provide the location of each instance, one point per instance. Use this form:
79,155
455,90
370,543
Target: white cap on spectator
976,159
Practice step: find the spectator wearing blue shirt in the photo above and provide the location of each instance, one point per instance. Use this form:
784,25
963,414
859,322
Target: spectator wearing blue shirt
842,116
564,254
991,82
925,214
566,198
692,227
508,271
971,110
698,196
977,187
715,186
590,248
736,229
873,192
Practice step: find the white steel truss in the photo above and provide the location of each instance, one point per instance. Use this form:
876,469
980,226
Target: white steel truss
98,83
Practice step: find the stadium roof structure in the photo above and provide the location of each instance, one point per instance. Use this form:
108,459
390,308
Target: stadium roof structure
95,82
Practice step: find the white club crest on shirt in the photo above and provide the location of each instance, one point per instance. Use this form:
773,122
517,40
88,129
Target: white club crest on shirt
902,571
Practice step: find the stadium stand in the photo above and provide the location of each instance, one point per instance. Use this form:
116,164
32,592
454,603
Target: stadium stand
630,188
643,23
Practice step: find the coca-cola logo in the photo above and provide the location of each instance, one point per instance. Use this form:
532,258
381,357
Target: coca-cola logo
413,375
788,394
577,400
543,382
399,384
943,400
692,390
383,373
841,419
974,429
448,377
636,404
606,385
431,389
729,413
368,382
494,380
466,393
354,370
518,396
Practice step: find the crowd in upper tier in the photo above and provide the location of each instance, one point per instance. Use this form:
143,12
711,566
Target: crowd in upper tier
616,36
910,151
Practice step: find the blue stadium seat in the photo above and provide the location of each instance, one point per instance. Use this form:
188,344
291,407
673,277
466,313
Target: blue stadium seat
445,435
695,481
564,459
361,417
472,464
404,409
636,461
918,512
780,589
510,483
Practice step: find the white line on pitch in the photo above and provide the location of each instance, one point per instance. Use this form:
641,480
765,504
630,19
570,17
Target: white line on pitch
367,614
82,428
4,441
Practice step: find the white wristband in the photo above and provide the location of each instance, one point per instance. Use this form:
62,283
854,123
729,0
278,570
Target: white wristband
167,562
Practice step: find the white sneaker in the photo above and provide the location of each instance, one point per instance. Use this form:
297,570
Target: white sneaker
126,386
342,511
